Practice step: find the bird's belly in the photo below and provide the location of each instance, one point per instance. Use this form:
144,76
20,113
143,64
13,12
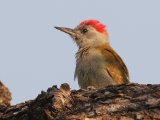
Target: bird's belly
91,72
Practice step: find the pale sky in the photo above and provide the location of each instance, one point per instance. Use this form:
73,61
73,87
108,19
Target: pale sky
35,56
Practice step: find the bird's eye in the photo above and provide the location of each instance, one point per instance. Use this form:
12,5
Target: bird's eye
84,30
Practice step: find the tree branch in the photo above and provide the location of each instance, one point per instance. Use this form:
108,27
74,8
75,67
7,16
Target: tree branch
125,102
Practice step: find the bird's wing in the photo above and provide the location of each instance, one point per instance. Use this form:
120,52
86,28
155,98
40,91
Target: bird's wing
115,67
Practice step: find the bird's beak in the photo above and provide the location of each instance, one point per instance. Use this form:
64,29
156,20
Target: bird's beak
66,30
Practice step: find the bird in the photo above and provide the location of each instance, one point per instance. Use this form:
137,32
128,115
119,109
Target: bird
97,63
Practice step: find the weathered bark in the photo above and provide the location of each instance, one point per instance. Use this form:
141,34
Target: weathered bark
5,95
125,102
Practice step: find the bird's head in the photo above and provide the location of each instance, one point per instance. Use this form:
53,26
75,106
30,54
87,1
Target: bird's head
88,33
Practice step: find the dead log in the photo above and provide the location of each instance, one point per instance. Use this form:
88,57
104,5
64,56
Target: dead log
125,102
5,95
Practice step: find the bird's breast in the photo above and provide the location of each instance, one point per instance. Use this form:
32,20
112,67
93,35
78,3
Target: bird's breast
89,62
90,69
89,57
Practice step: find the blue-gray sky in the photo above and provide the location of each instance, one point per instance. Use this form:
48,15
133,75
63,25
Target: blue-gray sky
35,56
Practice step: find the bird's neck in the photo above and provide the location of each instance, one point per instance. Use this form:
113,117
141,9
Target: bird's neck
83,51
95,46
89,51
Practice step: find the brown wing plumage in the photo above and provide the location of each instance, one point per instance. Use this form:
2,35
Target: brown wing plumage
116,68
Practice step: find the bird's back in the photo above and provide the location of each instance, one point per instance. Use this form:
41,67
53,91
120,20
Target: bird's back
116,67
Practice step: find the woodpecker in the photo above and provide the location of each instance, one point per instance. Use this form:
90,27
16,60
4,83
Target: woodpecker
97,63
